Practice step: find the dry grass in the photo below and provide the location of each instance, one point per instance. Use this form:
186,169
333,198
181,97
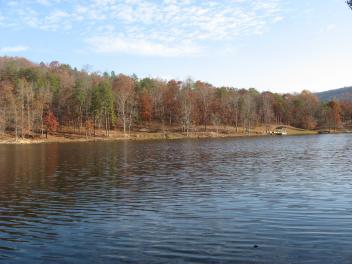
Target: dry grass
152,133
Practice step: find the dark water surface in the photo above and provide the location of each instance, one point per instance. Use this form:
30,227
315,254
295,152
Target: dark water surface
184,201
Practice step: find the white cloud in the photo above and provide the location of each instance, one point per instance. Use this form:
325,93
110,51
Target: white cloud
110,44
43,2
56,20
13,49
330,28
158,25
2,19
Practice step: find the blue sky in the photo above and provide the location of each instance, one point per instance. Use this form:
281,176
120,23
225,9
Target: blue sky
276,45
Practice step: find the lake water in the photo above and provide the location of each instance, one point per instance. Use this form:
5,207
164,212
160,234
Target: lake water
255,200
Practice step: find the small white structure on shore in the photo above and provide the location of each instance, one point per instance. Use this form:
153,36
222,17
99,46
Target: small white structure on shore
280,131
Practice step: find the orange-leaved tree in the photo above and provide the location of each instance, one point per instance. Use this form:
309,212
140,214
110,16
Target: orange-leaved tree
335,114
50,123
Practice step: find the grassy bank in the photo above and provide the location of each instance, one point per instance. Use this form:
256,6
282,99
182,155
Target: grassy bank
69,135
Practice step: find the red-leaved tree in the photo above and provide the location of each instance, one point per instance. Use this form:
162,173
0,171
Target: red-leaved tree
50,122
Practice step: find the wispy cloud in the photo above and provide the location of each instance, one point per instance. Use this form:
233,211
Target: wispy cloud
13,49
148,27
329,28
110,44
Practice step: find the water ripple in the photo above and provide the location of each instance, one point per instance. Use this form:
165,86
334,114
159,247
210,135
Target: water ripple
259,200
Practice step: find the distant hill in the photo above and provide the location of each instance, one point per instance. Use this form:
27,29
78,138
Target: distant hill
338,94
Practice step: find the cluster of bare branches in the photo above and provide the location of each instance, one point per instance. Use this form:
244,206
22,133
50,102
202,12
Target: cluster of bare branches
349,2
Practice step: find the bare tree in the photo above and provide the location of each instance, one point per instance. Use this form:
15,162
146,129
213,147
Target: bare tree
11,103
204,92
123,88
170,101
248,112
42,102
235,107
6,100
349,2
186,105
216,121
267,110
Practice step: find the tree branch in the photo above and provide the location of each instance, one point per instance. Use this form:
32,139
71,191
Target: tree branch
349,2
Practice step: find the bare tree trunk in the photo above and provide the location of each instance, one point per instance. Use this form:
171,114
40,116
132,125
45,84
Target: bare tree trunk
80,119
124,118
28,119
236,122
16,132
42,125
22,117
94,125
130,122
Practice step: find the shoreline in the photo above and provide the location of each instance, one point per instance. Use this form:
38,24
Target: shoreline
67,136
141,136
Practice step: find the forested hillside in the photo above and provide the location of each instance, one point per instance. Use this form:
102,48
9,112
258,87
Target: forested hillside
337,94
35,98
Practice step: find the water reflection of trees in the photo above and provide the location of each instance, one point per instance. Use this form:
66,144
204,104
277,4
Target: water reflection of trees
55,184
42,171
45,186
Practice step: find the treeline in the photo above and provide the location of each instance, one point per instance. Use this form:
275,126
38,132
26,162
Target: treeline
35,98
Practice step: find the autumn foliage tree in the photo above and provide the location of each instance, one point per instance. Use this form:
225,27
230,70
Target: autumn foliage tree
145,106
334,114
204,97
50,123
171,101
56,97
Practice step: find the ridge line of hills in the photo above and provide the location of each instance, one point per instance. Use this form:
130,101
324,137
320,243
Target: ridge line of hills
344,93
